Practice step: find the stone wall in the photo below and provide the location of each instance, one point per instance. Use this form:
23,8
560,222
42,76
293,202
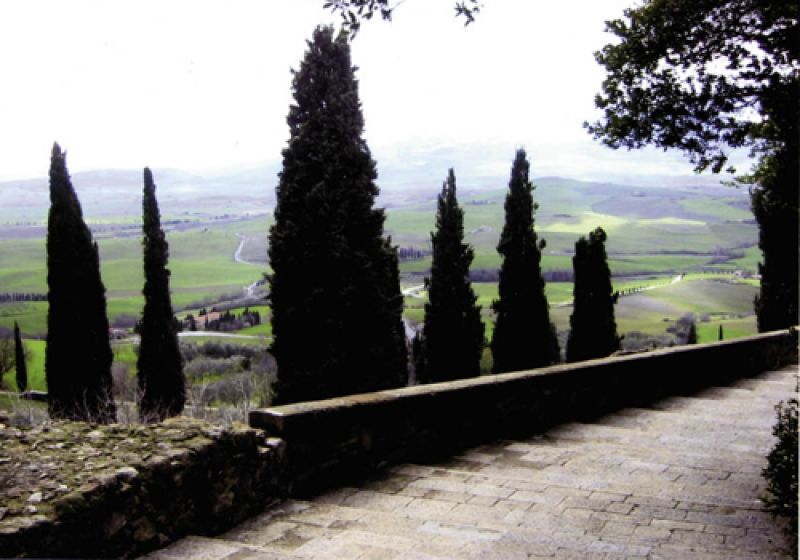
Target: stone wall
334,441
74,490
77,490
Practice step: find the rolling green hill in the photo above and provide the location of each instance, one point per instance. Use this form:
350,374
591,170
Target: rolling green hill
654,230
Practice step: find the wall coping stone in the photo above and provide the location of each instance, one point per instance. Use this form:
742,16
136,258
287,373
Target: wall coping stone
333,441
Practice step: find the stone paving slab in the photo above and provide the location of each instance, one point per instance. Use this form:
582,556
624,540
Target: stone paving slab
679,480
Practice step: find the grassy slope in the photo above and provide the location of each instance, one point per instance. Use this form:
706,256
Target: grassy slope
201,262
652,311
724,300
646,227
640,223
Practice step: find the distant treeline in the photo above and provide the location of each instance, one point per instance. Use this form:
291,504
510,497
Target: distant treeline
412,253
493,275
565,275
22,296
226,321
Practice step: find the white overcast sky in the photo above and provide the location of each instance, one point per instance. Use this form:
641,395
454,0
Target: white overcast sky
205,85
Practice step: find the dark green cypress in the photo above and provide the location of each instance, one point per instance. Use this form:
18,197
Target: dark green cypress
19,360
162,387
524,337
452,341
691,334
775,207
78,355
335,288
593,329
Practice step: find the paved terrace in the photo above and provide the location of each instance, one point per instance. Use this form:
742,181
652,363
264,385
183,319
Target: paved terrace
680,479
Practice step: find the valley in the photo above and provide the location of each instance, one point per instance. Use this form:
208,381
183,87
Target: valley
217,230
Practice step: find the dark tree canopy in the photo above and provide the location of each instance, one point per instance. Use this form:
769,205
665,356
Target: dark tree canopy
593,328
353,12
691,333
78,355
452,340
705,76
335,290
19,360
694,74
162,387
524,337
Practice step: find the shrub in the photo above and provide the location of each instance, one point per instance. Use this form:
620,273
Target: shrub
781,469
124,383
212,367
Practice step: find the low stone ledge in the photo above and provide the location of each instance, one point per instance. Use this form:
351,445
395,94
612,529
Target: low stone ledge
334,441
71,489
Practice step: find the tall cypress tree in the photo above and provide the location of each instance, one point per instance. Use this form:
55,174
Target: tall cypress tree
162,387
335,289
452,341
524,337
691,334
78,355
19,360
593,329
775,207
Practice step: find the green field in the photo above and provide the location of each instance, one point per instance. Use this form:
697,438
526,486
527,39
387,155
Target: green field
655,231
714,299
655,234
201,262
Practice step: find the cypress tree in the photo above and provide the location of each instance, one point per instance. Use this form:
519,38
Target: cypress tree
452,341
335,288
19,360
162,387
524,337
593,329
775,207
78,355
691,334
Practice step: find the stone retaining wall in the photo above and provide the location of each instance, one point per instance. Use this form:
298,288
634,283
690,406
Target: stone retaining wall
74,490
338,440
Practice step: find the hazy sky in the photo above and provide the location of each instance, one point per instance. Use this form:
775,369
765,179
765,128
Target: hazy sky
205,85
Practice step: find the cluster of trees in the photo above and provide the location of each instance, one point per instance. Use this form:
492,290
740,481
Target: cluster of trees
335,291
226,321
707,76
493,275
411,253
337,306
78,354
703,77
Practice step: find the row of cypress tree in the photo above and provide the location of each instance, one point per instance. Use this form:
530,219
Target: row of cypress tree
451,343
78,354
335,290
335,293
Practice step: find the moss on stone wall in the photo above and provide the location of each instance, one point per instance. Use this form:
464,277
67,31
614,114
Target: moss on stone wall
74,489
